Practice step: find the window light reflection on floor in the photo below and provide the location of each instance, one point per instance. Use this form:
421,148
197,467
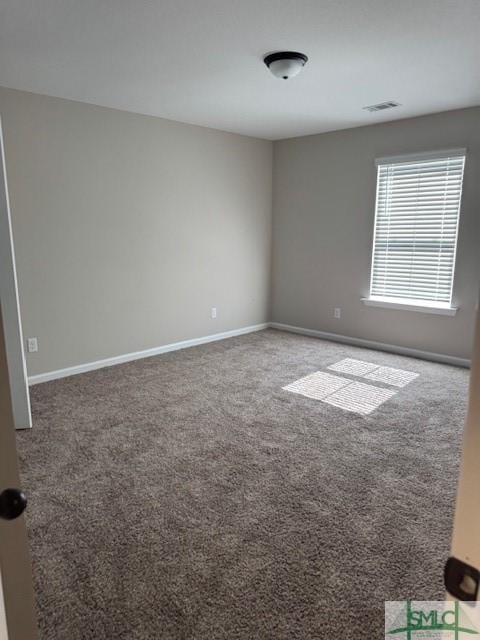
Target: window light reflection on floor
360,397
317,385
348,394
353,367
395,377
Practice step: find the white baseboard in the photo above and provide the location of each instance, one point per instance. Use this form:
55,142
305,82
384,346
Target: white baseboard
138,355
184,344
371,344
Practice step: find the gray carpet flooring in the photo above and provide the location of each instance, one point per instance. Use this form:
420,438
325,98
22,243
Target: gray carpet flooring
188,496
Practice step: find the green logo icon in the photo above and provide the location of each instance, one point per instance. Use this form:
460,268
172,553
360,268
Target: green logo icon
430,619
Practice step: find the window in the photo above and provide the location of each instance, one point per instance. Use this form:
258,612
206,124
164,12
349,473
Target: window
416,224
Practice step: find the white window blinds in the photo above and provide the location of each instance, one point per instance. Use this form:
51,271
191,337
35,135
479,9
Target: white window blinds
416,223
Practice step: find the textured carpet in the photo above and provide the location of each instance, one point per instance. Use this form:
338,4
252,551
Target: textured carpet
188,496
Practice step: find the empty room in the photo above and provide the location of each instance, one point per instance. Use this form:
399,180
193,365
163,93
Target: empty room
239,371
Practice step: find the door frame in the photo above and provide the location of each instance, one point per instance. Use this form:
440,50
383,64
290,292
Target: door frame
465,545
17,608
12,322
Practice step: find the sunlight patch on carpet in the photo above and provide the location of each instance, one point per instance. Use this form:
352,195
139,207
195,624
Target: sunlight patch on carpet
348,394
359,397
353,367
343,393
395,377
371,371
317,385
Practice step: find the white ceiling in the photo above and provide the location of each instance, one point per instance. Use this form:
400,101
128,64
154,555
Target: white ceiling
200,61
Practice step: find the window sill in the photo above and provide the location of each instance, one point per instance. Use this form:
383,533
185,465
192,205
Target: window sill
410,306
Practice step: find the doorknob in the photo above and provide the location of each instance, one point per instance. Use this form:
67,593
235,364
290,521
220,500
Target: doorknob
462,581
12,503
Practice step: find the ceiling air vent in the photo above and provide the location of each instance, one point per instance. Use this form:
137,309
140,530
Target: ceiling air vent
381,106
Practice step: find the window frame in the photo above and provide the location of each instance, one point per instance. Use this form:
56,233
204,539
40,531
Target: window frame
423,306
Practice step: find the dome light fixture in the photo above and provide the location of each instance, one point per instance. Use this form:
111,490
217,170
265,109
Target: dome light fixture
285,64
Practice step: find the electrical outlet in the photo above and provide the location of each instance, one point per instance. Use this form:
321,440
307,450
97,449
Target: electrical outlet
214,312
337,312
32,345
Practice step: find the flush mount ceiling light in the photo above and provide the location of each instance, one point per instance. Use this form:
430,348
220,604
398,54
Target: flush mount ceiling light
285,64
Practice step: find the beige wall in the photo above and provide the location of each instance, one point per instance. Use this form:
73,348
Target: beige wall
324,200
129,228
